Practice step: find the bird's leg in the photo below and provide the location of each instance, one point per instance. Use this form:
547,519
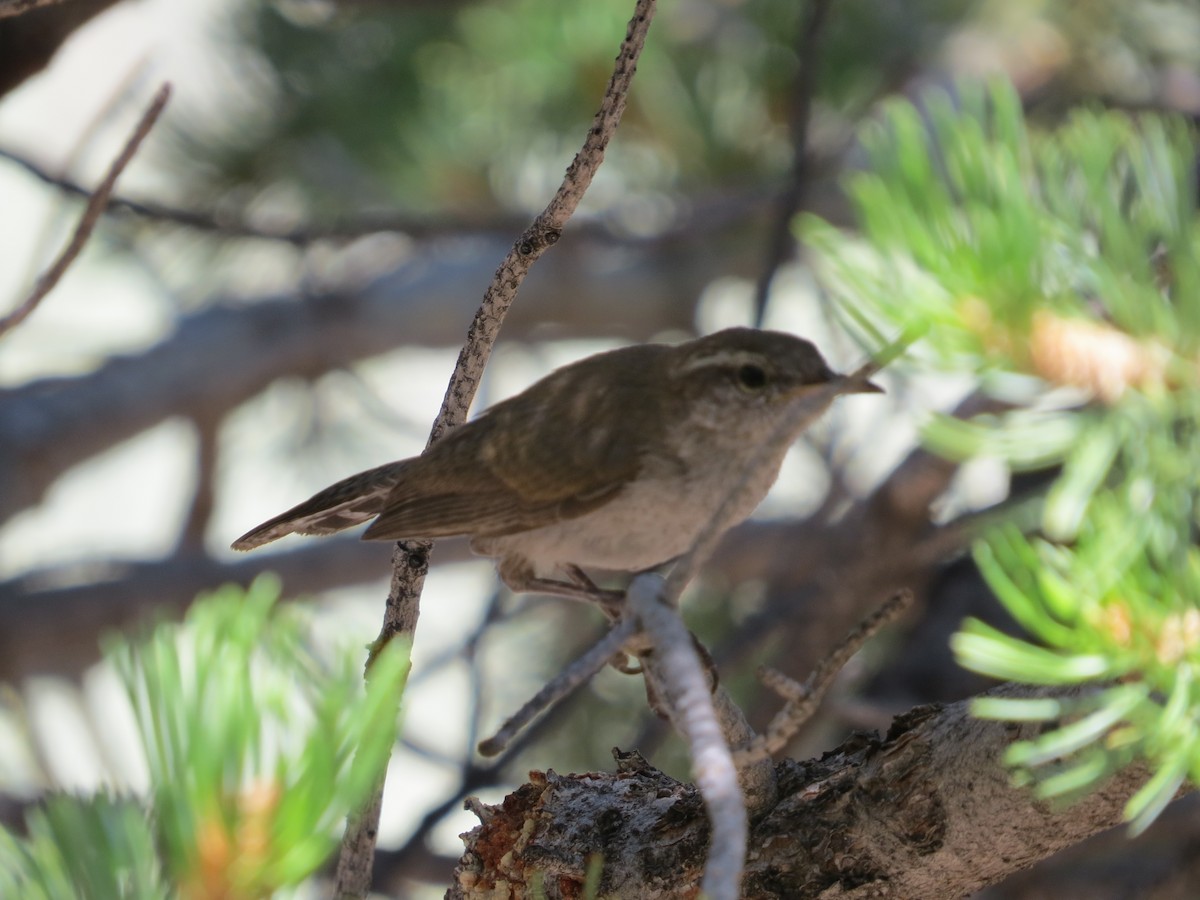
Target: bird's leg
623,662
610,601
520,578
654,701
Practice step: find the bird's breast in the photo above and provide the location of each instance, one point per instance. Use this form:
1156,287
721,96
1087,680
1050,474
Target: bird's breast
654,518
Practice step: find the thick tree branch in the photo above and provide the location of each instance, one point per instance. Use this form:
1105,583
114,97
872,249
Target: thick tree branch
926,811
50,622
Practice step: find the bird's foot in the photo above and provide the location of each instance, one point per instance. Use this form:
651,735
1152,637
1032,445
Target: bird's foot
579,587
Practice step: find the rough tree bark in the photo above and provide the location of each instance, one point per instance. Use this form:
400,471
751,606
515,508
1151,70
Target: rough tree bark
926,812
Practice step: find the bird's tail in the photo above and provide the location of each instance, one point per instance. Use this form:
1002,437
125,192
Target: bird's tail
345,504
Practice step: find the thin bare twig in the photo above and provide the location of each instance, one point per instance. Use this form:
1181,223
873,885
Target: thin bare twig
410,561
91,214
84,141
804,698
575,674
545,230
779,241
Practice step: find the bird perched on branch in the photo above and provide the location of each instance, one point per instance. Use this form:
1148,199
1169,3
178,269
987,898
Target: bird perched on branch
613,462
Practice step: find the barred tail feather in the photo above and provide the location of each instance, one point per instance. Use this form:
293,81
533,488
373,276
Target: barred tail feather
347,503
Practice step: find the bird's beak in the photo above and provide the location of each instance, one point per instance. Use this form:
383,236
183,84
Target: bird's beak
864,387
867,387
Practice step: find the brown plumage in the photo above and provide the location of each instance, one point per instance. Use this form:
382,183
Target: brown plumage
615,461
487,477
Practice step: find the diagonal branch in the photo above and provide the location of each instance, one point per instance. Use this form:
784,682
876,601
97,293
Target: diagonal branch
410,561
804,698
91,215
224,225
558,688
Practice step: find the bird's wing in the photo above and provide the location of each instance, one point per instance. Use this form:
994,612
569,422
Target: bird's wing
492,513
527,463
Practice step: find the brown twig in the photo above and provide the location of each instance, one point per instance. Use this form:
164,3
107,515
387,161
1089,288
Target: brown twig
91,214
84,141
410,560
561,686
779,243
544,231
804,698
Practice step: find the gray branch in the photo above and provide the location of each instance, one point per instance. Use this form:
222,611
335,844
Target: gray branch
674,668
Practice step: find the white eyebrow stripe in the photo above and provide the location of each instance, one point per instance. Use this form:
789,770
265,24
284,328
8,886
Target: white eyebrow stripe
723,359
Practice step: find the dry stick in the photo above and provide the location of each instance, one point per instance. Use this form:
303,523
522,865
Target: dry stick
803,698
91,214
803,88
410,561
83,142
575,674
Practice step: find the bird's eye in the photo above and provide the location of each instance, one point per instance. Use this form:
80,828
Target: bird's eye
751,377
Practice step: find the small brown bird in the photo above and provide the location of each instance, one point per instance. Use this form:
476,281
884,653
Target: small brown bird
614,462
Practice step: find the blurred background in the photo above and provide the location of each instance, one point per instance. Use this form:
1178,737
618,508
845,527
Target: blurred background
281,300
